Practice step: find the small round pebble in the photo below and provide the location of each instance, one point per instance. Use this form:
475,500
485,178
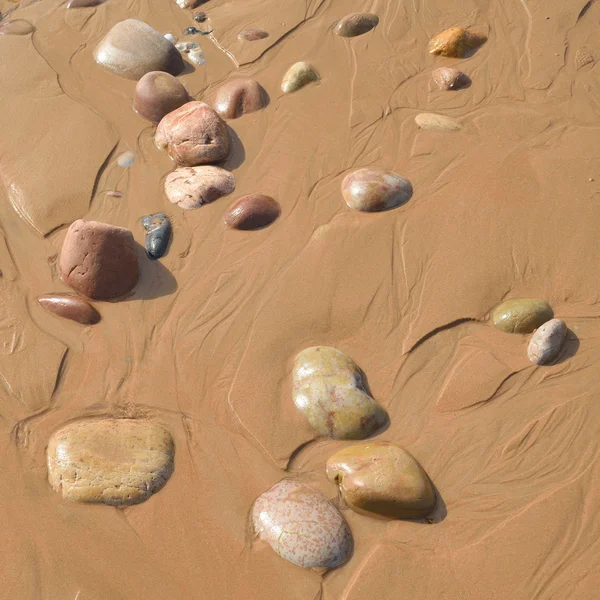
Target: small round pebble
196,55
158,234
546,342
200,17
521,315
302,526
252,35
126,159
447,78
297,76
170,37
239,97
192,187
253,211
433,122
190,31
157,94
373,189
356,24
380,479
17,27
456,42
70,307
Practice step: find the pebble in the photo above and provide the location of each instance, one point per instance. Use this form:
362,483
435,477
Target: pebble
521,315
456,42
17,27
252,35
193,134
302,526
192,187
187,46
158,233
98,260
239,97
434,122
190,31
133,48
170,37
200,17
546,342
382,480
253,211
118,462
70,307
328,390
297,76
189,3
157,94
84,3
126,159
372,189
356,24
447,78
197,56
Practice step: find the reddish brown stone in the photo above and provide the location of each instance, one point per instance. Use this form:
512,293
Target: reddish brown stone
99,260
240,96
251,35
70,307
194,134
158,93
253,211
356,24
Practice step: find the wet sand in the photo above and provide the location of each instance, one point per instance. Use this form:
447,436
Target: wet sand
505,207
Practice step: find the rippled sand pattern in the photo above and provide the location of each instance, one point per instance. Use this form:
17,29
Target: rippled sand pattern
507,207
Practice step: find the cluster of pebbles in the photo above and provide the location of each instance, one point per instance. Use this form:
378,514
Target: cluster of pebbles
124,461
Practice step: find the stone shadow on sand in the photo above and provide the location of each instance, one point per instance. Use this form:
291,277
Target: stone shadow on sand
155,279
237,153
569,349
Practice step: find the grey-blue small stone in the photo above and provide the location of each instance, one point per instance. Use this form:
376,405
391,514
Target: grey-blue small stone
158,234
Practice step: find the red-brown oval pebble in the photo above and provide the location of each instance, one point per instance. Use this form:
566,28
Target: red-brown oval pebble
70,307
253,211
251,35
157,94
447,78
240,96
356,24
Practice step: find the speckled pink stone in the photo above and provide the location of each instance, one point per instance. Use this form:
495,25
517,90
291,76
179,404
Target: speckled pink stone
546,342
302,526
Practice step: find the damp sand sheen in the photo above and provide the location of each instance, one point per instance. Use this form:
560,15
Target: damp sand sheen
299,300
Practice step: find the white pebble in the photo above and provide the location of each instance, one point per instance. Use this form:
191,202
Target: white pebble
186,46
197,57
170,37
126,159
546,342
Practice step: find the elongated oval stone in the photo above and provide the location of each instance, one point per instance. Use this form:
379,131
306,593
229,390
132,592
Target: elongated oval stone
132,48
253,211
192,187
372,189
158,234
435,122
328,389
546,342
302,526
110,461
70,307
297,76
456,42
356,24
252,35
16,27
521,315
382,480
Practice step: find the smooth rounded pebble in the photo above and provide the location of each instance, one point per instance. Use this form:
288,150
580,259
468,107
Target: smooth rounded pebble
196,55
193,134
157,94
297,76
158,234
253,211
382,480
17,27
328,389
126,159
170,37
434,122
252,35
84,3
70,307
190,4
302,526
456,42
521,315
192,187
110,461
239,97
546,342
98,260
133,48
447,78
356,24
372,189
